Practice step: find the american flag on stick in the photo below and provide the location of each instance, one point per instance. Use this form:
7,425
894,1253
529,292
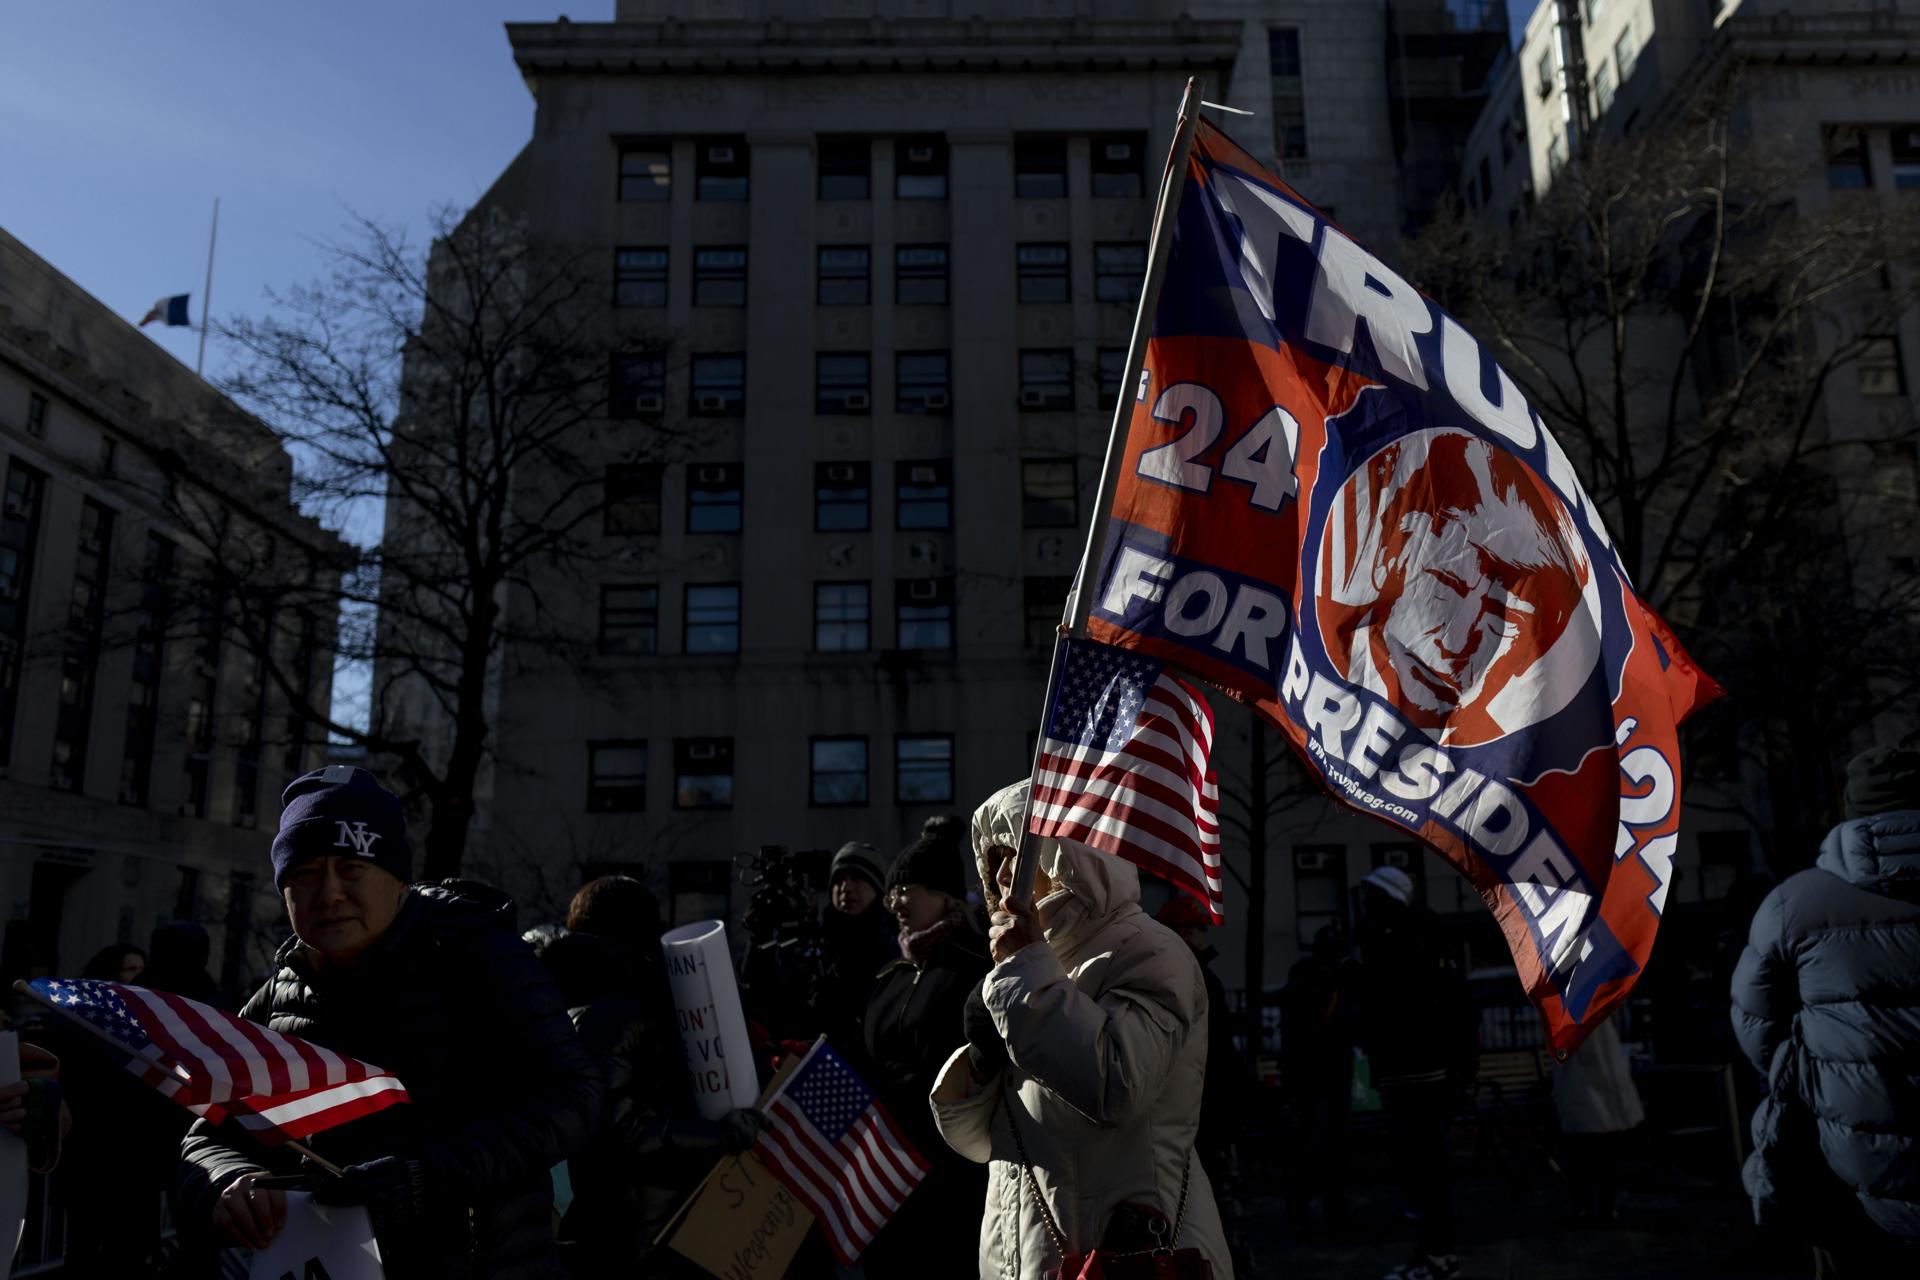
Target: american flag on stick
1123,768
278,1087
837,1149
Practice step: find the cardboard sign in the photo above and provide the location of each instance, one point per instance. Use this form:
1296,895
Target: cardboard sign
320,1242
744,1224
13,1152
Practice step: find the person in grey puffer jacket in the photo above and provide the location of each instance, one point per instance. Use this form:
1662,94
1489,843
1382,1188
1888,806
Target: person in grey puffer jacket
1826,1003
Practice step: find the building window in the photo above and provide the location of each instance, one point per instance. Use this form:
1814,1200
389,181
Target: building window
1045,599
199,727
638,387
703,773
843,382
921,382
1039,167
646,173
1556,153
1878,369
1041,270
1049,494
1847,167
719,386
1113,371
616,777
841,612
19,533
1319,890
1288,86
632,499
923,613
720,169
1903,141
630,619
1118,272
923,494
1117,171
843,276
1046,379
713,618
1625,52
846,166
842,496
700,890
920,168
149,653
839,771
923,769
639,277
36,414
81,647
1603,87
720,277
1543,74
920,275
714,497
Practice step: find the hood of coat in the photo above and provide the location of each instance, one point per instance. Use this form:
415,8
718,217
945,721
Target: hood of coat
1093,886
1880,854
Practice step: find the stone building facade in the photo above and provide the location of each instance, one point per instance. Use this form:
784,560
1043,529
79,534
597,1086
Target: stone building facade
141,752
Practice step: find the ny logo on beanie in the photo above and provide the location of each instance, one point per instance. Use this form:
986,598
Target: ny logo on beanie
357,838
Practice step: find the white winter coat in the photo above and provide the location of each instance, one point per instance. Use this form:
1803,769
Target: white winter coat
1593,1089
1106,1025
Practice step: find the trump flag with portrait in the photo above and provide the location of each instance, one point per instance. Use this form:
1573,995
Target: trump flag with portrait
1332,503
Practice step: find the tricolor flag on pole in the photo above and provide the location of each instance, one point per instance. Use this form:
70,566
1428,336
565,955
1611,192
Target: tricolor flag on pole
1123,767
278,1087
837,1149
169,311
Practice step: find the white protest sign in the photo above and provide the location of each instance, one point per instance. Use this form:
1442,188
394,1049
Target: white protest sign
713,1031
320,1242
13,1152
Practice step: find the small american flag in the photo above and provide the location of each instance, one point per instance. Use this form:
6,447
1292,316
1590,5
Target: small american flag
215,1064
1123,768
837,1149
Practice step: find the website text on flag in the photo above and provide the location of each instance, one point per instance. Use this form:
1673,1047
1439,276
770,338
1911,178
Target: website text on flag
1328,500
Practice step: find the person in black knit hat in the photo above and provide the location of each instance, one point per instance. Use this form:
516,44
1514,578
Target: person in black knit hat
913,1024
856,943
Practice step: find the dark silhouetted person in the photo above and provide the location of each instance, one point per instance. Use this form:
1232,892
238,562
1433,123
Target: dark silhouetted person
1826,1003
122,962
1598,1108
1223,1097
177,963
1316,1074
857,941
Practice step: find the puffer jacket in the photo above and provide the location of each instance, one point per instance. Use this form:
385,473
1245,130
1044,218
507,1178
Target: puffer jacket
1106,1026
455,1004
1826,1002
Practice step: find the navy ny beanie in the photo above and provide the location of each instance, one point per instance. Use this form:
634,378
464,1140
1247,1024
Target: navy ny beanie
343,811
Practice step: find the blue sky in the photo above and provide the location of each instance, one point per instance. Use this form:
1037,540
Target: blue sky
121,120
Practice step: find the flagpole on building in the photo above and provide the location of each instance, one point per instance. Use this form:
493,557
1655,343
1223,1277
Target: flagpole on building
1173,181
71,1020
206,294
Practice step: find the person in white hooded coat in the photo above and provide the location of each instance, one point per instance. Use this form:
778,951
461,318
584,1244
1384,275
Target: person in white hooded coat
1104,1024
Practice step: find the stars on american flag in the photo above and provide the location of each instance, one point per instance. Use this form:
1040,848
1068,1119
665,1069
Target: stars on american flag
1102,692
98,1004
831,1096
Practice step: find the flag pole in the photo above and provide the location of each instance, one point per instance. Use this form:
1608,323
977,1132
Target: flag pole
180,1073
1074,624
206,294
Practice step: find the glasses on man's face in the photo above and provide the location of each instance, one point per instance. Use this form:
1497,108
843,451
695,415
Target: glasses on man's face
899,896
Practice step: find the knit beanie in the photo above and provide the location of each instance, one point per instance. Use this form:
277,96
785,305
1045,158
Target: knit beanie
858,858
1393,882
343,811
1883,780
934,860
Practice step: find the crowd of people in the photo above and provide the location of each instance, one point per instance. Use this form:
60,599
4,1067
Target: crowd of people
1065,1065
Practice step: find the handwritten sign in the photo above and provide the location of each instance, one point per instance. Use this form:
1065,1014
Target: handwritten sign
320,1242
713,1030
744,1225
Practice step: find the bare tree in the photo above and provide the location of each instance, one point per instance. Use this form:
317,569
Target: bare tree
465,391
1682,321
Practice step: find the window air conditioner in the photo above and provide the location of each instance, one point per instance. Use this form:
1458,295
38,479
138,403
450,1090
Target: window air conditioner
649,403
712,475
923,589
921,475
1032,396
1118,151
840,472
712,404
719,155
920,155
856,400
700,751
936,400
1310,861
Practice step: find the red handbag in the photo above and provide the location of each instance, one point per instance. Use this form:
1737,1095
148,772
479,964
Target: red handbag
1160,1259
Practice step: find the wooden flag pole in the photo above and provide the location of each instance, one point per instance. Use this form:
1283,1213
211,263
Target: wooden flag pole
298,1148
1074,625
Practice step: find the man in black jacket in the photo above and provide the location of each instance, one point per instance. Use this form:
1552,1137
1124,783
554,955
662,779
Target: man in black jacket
434,984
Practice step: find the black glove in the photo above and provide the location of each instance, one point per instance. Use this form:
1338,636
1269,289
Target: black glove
986,1051
393,1190
740,1128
